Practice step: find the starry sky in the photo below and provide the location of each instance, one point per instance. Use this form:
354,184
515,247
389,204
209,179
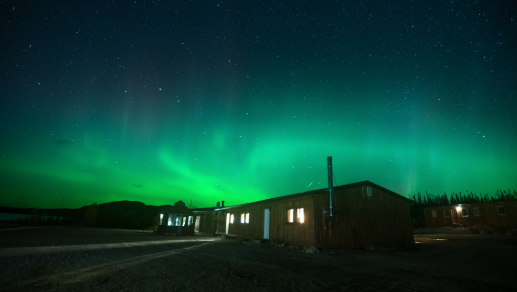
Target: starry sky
203,101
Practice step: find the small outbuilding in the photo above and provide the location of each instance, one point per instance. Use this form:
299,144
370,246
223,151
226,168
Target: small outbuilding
355,215
177,219
497,214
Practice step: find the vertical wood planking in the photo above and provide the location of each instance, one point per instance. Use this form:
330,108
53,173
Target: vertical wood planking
280,230
381,219
489,215
359,221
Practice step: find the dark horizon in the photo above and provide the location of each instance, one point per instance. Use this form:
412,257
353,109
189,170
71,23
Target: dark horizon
424,199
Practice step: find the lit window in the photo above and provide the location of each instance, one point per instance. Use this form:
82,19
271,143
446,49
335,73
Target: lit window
300,217
231,218
169,223
434,213
465,212
369,191
177,221
184,221
500,210
447,213
161,219
476,211
190,220
290,215
245,218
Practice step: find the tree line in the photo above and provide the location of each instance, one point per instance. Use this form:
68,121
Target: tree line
430,200
421,201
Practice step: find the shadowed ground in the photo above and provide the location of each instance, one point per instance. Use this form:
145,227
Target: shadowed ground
89,259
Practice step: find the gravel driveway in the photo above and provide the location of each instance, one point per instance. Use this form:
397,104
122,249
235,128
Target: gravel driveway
90,259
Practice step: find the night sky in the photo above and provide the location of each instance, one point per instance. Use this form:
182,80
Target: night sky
160,101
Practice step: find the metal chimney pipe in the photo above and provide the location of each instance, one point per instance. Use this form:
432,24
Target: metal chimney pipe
331,191
222,204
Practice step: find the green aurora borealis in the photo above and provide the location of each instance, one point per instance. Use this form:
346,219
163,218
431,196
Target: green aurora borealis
158,102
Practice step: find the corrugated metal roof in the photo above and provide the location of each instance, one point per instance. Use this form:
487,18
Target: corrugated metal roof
366,182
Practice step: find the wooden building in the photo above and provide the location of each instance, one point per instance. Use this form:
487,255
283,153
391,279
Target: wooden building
364,214
177,219
500,214
205,221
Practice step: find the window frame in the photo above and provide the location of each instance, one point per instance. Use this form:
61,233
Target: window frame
161,219
499,213
447,213
477,212
290,215
232,218
293,217
433,213
245,218
369,192
298,220
465,212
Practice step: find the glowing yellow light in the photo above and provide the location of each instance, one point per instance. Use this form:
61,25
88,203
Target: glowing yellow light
300,215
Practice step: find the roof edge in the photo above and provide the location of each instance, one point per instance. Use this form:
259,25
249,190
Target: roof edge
309,193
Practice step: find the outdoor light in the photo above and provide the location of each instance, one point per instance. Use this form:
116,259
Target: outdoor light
458,208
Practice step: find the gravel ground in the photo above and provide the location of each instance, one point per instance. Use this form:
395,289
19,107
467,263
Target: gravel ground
89,259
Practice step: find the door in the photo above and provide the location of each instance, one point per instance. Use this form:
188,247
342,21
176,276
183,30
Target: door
196,226
266,223
227,222
454,216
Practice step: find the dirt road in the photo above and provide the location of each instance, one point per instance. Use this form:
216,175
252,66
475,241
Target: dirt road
88,259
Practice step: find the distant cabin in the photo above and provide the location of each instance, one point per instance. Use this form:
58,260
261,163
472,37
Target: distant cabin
497,214
177,220
365,214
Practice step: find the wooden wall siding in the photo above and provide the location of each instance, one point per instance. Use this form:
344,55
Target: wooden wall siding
507,220
279,230
293,233
488,216
360,221
206,223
